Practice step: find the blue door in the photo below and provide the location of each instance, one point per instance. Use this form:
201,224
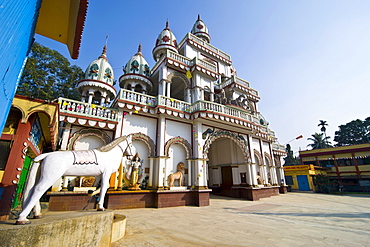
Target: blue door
303,183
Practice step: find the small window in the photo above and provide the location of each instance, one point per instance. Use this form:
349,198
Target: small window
289,180
243,178
4,153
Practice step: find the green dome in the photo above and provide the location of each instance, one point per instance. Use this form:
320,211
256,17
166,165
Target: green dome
100,69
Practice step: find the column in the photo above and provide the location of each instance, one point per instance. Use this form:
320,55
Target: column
190,182
150,182
91,95
188,95
282,177
168,89
252,165
160,150
263,171
199,162
249,175
212,95
254,175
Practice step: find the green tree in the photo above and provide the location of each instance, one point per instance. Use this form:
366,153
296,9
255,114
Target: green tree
323,128
290,159
323,124
49,75
319,141
354,132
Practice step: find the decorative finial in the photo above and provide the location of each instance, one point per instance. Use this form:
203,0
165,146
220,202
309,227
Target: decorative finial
139,48
167,24
198,17
104,53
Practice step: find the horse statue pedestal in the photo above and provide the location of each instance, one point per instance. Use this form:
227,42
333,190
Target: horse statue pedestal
83,189
178,188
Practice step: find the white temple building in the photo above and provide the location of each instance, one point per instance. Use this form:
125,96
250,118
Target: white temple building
189,107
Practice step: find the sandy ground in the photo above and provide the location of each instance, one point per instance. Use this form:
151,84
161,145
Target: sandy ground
293,219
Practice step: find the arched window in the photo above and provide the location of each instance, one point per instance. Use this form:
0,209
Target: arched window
97,98
139,88
207,94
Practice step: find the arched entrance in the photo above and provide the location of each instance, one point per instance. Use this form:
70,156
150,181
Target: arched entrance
226,164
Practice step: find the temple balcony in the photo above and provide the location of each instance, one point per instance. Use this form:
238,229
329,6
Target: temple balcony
177,61
278,149
136,102
243,85
193,40
91,115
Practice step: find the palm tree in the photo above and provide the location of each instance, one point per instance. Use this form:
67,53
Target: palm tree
322,124
319,141
323,128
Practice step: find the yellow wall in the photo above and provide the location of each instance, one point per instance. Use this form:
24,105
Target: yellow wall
307,170
48,117
294,175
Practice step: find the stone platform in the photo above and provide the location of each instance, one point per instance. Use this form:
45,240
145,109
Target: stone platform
125,199
81,228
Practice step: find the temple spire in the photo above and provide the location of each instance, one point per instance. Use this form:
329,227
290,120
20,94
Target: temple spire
104,53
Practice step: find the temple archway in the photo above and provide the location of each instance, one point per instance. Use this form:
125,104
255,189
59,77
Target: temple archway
226,159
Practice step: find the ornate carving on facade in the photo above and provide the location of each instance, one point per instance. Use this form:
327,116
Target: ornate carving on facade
259,157
277,162
88,132
181,141
239,139
269,159
147,140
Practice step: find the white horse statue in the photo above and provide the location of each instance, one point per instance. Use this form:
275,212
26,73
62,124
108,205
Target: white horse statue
64,163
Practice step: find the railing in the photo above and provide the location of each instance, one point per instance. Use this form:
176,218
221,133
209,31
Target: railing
185,106
240,81
174,103
279,147
210,106
179,58
137,97
207,45
85,109
182,59
205,64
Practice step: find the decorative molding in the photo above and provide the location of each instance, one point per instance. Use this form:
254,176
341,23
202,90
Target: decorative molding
87,132
181,141
268,157
214,135
259,157
147,140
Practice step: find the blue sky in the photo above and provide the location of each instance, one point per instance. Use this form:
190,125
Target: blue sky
309,60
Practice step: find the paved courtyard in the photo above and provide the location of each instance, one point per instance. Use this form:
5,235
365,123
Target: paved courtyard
293,219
